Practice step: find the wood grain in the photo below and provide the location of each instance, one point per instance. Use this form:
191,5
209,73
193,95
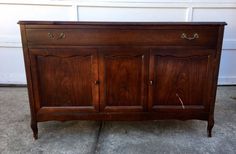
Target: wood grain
127,36
66,77
123,76
179,80
121,71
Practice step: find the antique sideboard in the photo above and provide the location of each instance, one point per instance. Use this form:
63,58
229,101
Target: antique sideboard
121,71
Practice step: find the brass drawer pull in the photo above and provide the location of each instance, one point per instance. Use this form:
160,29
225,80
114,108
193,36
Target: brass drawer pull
61,36
52,36
185,36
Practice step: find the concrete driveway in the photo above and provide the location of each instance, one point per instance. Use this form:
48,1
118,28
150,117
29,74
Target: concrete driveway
85,137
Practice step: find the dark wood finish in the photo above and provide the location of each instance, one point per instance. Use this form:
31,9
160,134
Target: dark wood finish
180,79
65,77
117,36
121,71
123,79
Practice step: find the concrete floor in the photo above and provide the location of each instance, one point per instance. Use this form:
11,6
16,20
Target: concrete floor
116,137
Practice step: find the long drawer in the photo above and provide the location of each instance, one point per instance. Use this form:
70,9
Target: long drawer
190,36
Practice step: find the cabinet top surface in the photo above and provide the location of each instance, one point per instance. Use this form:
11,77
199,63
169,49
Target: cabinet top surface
120,23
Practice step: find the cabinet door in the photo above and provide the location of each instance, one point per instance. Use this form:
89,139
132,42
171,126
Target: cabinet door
180,79
122,73
65,78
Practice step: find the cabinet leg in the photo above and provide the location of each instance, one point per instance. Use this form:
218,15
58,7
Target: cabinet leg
210,126
34,128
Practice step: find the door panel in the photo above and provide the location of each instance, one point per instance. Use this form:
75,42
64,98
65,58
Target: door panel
123,76
66,77
180,79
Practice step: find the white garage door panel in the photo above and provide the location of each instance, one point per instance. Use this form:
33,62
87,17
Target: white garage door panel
11,58
164,1
131,14
135,1
213,1
227,73
12,66
11,14
227,67
216,14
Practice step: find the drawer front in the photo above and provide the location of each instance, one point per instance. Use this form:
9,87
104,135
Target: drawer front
114,36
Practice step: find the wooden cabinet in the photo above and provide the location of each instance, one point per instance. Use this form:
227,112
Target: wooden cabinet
121,71
180,78
65,78
123,77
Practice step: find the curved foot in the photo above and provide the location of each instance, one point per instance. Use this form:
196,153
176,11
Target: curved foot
34,128
210,125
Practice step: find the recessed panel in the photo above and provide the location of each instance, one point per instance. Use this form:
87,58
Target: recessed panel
122,72
65,78
180,81
124,80
65,81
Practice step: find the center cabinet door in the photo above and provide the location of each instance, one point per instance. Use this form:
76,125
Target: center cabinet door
65,79
123,76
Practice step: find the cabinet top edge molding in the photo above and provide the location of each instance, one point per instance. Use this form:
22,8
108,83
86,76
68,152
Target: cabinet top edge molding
119,23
